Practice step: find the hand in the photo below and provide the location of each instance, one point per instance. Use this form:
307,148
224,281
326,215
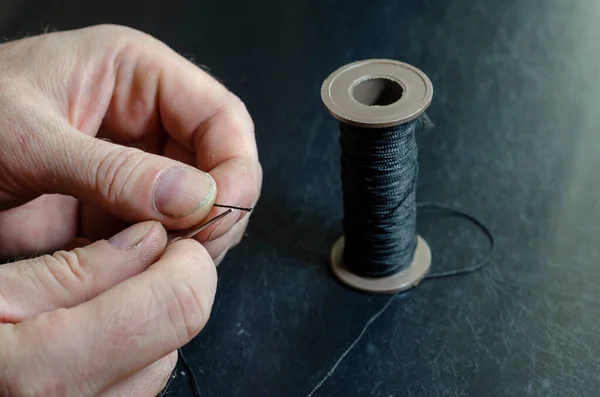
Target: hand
164,120
108,318
130,305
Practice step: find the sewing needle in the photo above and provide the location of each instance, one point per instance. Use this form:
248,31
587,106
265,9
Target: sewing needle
176,235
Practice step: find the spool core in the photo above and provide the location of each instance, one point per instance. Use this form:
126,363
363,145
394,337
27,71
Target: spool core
378,93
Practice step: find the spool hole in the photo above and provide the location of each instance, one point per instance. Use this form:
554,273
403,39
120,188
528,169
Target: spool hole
378,91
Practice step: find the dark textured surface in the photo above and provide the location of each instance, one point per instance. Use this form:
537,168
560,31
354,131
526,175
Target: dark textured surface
517,144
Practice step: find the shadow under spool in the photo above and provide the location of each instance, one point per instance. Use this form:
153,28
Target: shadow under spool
378,94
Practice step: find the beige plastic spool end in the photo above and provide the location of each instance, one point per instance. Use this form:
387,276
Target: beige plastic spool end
398,282
378,93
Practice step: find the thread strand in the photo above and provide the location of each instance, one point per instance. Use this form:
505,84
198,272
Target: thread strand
233,207
191,374
434,208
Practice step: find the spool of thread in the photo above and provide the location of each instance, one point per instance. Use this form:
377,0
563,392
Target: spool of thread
380,104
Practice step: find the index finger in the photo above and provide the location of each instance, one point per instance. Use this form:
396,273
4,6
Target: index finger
222,136
196,110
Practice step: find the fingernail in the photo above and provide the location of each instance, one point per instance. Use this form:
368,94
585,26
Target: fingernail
131,236
182,191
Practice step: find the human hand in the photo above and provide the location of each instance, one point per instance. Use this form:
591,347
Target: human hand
104,320
59,92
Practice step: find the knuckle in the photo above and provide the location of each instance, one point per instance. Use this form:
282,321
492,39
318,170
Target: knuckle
114,170
69,270
19,146
122,36
111,29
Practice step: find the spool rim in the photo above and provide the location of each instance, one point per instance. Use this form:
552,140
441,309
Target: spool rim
398,282
337,93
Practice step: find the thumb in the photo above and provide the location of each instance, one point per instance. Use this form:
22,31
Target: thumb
68,278
127,182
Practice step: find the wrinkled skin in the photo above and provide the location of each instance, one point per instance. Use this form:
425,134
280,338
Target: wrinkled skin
107,137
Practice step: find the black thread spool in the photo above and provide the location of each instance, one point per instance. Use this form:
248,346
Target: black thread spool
374,97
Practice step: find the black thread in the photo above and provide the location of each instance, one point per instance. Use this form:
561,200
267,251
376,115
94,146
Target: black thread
192,375
379,176
434,208
233,207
